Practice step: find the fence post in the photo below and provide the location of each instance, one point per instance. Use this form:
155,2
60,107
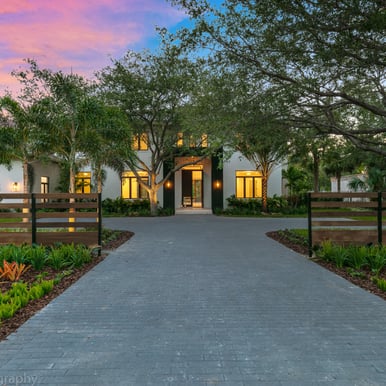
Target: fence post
99,223
309,224
33,218
379,218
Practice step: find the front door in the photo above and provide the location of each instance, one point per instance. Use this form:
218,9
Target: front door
192,188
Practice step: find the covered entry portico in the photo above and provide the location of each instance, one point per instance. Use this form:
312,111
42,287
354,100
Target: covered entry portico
193,184
196,188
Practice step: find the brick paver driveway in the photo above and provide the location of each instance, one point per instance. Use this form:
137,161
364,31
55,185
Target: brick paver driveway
203,300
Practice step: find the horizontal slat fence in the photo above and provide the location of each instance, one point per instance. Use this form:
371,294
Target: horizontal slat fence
50,218
348,226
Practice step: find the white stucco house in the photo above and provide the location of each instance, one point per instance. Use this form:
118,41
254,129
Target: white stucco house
345,182
44,177
200,186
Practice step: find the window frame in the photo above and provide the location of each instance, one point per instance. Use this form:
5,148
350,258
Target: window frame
256,184
83,182
44,184
132,181
140,142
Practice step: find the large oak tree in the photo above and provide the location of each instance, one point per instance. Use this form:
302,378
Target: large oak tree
153,89
327,58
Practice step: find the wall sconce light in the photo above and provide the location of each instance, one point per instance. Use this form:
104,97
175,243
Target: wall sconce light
217,184
168,184
15,187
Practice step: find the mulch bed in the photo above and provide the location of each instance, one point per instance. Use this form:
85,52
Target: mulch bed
363,281
21,316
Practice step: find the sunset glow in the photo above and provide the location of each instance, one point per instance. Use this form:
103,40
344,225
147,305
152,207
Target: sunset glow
76,35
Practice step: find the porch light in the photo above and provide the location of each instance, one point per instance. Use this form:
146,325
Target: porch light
168,184
217,184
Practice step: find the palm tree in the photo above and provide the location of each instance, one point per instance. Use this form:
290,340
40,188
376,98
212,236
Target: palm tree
20,135
111,140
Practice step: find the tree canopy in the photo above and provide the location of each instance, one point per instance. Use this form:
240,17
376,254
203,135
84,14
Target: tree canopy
152,90
325,58
75,125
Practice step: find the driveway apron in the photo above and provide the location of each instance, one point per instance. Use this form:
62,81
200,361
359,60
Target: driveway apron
203,300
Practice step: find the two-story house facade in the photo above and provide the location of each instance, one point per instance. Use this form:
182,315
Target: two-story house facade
205,184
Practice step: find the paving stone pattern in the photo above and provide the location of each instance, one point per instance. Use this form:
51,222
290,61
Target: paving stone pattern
203,300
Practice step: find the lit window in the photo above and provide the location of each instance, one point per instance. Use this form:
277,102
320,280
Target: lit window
180,139
194,141
248,184
140,142
131,187
204,140
44,185
83,182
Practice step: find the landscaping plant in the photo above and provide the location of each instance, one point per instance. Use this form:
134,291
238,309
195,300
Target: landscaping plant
12,271
37,257
20,294
357,257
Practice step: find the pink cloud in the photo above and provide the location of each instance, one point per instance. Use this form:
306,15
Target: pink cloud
77,35
15,6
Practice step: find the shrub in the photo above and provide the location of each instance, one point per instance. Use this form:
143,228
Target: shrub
37,257
253,206
380,283
36,292
11,252
353,256
69,256
18,289
241,206
121,206
357,256
376,259
55,259
79,256
46,286
19,296
7,311
326,251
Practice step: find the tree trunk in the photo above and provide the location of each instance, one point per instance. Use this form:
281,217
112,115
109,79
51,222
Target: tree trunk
99,184
264,193
153,201
71,187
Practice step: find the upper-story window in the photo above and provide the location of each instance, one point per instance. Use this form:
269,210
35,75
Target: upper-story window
140,142
192,141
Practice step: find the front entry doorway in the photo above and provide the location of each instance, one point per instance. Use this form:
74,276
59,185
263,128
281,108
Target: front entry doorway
192,188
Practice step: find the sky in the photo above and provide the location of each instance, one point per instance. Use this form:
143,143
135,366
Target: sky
81,36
